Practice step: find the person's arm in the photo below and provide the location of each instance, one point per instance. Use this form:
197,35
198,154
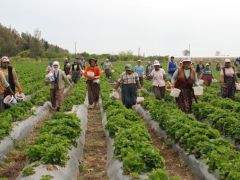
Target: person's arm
221,77
164,75
15,79
119,82
98,73
6,85
174,77
66,79
168,66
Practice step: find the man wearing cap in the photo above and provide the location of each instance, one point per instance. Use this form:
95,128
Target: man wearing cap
129,82
57,85
184,78
228,79
172,66
139,69
108,68
10,74
93,74
207,75
158,80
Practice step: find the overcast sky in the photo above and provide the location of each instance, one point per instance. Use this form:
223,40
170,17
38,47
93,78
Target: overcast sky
157,27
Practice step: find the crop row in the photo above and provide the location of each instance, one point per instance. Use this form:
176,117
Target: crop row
132,141
196,138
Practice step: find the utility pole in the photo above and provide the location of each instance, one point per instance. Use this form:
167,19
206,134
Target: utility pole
138,52
189,50
75,49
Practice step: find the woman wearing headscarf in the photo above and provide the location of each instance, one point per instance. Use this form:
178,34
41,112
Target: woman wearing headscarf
149,69
10,74
57,85
129,82
207,75
76,70
158,80
228,79
184,78
93,74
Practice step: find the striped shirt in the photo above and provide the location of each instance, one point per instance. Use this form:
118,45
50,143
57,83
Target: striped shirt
128,78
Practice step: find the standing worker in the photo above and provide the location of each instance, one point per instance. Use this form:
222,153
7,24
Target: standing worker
108,69
184,78
10,74
4,89
83,63
129,82
199,67
158,80
76,70
237,66
172,66
57,86
228,79
139,69
93,74
149,69
207,75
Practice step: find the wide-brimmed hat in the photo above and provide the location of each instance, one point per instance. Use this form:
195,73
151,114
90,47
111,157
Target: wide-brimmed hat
156,63
56,63
207,64
92,59
187,60
227,60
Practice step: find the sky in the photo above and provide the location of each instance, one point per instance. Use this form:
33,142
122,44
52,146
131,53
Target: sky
157,27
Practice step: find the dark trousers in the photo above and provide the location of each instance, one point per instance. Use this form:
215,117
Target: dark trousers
93,92
129,95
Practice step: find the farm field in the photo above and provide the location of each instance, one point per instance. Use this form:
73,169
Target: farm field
151,141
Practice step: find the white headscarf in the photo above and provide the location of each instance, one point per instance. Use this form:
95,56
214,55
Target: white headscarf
55,70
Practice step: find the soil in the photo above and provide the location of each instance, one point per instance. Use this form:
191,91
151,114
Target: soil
174,165
95,149
16,159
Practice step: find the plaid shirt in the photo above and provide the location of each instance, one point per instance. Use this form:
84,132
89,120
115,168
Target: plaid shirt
128,78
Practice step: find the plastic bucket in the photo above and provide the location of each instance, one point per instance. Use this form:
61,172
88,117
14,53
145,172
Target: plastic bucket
198,90
214,81
19,97
175,92
10,100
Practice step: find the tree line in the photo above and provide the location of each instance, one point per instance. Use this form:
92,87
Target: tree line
12,43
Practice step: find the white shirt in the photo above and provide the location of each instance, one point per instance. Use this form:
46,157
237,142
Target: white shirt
157,76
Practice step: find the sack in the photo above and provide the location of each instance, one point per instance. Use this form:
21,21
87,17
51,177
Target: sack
96,81
114,95
140,100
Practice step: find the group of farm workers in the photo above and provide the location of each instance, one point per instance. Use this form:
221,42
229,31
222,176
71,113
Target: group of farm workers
70,75
183,75
8,82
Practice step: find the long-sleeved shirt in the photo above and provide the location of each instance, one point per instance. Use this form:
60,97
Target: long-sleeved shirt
60,81
15,79
187,74
3,83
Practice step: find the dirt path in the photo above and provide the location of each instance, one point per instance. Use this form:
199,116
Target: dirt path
95,149
16,159
174,165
